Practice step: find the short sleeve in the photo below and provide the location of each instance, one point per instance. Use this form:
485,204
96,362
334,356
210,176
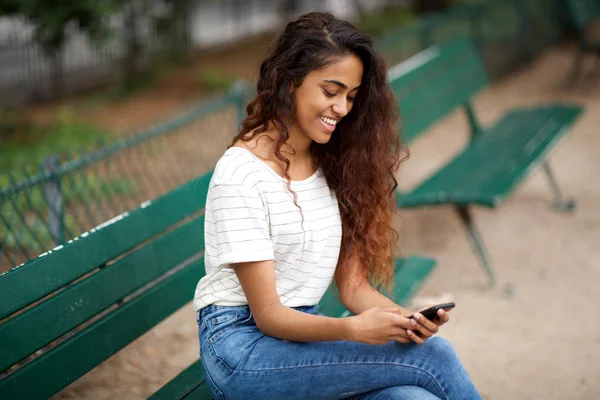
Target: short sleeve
236,227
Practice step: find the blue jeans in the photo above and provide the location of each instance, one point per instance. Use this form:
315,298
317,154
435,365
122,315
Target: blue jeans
240,362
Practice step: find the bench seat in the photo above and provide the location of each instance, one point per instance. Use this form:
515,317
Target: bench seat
490,168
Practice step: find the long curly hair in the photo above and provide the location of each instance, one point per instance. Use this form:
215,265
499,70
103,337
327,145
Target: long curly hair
365,150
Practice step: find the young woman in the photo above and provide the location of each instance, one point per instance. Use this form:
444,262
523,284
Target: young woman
301,199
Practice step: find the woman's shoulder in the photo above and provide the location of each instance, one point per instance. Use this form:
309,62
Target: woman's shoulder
238,166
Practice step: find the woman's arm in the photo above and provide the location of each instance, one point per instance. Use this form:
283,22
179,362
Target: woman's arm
364,296
276,320
357,294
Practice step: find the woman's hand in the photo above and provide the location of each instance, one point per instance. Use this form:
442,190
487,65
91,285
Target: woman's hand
379,325
442,316
425,328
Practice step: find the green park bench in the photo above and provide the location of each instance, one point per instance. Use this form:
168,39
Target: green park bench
585,15
497,159
73,307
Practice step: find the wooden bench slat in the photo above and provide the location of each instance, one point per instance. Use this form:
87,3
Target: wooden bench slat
188,381
438,101
79,354
435,82
185,383
534,150
199,393
409,275
463,176
28,283
494,164
52,318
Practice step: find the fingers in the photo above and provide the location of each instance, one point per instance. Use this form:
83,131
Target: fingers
443,317
423,326
416,338
417,329
402,339
413,329
411,336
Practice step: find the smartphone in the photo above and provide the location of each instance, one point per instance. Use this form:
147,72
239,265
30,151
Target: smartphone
431,312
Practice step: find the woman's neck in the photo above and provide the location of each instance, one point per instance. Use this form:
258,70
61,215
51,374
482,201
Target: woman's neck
296,148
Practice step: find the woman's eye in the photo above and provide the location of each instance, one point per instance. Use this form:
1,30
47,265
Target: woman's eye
328,94
351,98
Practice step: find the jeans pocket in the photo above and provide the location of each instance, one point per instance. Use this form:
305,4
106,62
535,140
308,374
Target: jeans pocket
222,325
218,320
232,341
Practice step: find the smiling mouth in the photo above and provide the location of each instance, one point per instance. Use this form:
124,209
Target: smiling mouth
328,123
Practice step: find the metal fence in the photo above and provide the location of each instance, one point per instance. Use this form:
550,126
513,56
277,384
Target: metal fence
46,206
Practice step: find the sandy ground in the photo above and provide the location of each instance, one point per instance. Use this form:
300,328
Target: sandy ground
534,336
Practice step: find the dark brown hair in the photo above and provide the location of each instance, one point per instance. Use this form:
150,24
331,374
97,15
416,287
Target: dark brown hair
364,152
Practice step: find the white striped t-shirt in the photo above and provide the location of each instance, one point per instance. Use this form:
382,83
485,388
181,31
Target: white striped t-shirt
251,216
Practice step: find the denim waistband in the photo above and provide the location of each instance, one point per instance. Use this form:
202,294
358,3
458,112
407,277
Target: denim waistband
245,308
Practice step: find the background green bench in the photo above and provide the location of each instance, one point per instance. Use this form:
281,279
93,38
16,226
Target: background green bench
70,309
584,14
436,82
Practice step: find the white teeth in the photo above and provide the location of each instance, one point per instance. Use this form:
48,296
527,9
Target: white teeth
329,121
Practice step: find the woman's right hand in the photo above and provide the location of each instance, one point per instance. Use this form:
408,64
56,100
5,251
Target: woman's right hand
379,325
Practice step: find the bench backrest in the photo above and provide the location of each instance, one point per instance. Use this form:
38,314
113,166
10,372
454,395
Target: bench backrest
583,12
435,82
66,311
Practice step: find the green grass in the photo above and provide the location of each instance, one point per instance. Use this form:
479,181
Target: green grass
24,143
212,80
28,210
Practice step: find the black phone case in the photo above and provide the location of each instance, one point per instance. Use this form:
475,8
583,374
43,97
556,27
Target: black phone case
431,312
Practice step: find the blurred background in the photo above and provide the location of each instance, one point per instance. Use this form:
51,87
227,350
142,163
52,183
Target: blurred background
90,92
107,104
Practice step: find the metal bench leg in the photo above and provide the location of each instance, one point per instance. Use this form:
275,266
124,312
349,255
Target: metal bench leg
476,243
560,204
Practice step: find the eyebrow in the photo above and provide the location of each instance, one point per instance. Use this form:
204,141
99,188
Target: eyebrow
340,84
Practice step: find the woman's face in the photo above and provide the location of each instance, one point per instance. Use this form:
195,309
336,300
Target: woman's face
326,96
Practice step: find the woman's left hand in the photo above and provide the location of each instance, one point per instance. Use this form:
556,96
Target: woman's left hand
424,328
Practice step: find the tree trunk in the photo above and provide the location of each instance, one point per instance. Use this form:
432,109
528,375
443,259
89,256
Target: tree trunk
179,30
132,58
57,66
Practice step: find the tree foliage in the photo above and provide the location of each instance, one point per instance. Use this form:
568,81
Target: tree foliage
51,20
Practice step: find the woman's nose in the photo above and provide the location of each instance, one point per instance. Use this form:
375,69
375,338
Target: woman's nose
340,108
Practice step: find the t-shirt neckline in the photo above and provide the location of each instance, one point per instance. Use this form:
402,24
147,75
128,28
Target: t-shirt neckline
272,171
